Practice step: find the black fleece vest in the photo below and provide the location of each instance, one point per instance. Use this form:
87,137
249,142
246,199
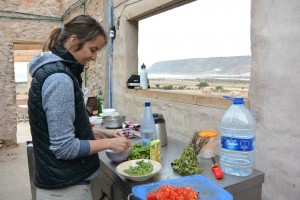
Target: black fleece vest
50,172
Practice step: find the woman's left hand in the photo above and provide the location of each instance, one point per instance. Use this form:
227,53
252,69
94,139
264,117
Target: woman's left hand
116,133
107,133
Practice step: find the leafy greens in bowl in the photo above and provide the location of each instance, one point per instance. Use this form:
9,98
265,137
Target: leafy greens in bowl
139,169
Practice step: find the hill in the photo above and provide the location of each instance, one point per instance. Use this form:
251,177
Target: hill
235,66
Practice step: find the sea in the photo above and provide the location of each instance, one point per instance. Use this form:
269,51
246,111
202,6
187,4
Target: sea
242,77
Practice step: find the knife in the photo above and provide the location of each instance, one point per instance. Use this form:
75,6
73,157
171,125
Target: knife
216,169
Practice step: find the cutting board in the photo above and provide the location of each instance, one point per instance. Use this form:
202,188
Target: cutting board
207,189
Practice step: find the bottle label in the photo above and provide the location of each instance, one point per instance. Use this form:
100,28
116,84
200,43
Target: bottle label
99,105
155,150
237,144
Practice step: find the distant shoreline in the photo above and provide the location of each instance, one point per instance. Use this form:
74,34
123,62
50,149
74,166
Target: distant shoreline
245,77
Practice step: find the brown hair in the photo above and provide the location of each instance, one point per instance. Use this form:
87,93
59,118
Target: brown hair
84,27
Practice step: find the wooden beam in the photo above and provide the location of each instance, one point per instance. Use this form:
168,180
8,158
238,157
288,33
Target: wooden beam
26,52
24,46
25,55
22,58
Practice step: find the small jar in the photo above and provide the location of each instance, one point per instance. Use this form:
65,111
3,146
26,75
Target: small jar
210,149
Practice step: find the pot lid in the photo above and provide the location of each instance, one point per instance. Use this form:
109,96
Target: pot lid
207,133
158,118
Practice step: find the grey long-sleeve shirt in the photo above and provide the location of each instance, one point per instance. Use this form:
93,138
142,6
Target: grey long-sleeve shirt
58,103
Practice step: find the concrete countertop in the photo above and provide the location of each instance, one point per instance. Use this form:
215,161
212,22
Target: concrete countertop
235,185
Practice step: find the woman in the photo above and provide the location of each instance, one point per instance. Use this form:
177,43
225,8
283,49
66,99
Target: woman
65,148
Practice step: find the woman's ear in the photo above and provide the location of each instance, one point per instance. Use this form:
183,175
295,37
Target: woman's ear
71,43
73,40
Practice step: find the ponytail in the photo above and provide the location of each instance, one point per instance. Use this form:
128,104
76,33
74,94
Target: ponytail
53,39
84,27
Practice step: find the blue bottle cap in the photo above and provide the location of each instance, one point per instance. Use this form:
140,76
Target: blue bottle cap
147,104
238,100
235,100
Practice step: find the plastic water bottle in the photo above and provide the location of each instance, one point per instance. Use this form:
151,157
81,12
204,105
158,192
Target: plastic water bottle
143,77
148,126
238,130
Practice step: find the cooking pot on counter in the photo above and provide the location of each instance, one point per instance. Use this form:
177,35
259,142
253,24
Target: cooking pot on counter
113,122
160,125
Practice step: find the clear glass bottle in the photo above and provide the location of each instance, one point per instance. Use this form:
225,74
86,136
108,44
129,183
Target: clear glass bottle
148,125
238,131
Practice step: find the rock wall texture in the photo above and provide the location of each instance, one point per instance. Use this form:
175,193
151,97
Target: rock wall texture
8,124
16,27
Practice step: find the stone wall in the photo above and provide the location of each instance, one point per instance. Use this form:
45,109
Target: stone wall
94,71
28,30
18,29
8,98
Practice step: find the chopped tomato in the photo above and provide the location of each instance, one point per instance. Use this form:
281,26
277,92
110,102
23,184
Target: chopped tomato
151,196
168,192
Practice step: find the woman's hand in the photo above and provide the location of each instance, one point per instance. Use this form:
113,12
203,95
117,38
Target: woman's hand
119,144
116,144
107,133
114,133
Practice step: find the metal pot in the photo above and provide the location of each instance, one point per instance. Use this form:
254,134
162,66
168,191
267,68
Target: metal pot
113,122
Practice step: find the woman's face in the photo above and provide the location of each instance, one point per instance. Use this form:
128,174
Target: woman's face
89,50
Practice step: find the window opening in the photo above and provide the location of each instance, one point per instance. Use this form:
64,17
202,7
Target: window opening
23,53
200,48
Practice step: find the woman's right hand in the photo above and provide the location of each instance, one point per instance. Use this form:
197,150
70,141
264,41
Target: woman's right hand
119,144
116,144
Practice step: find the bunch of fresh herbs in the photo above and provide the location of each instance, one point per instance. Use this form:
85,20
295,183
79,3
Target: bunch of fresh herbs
188,163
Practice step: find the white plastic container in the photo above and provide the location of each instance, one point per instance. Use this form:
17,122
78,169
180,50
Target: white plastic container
143,77
210,149
238,131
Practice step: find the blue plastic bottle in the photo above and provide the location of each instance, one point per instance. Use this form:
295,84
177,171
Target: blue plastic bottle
148,125
238,130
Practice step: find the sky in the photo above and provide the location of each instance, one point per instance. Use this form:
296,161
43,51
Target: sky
20,71
204,28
